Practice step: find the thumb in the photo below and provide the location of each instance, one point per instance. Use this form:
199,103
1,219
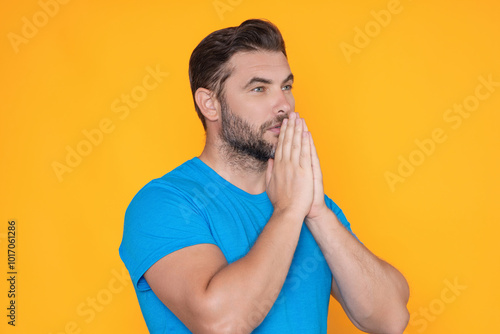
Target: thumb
270,164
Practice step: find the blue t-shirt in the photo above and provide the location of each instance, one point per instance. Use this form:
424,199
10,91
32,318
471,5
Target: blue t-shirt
192,205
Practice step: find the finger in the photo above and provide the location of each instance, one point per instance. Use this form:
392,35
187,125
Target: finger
305,153
269,171
288,136
296,141
279,147
315,160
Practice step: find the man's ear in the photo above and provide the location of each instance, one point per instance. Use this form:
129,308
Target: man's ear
206,101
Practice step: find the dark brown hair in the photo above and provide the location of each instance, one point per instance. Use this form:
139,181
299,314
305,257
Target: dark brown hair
207,66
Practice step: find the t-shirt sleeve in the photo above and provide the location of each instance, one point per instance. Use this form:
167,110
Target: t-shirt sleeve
160,220
340,215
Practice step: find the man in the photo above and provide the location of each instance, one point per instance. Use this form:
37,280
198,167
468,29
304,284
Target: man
242,238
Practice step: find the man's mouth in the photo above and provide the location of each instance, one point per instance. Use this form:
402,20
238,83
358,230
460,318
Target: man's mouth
275,128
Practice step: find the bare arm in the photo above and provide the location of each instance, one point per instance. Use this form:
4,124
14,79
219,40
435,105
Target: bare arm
372,292
211,296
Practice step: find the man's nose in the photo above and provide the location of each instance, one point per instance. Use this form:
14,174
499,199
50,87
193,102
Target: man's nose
282,103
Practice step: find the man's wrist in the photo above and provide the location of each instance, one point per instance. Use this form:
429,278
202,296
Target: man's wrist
289,214
320,215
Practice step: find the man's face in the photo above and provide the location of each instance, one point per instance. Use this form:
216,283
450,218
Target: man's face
257,98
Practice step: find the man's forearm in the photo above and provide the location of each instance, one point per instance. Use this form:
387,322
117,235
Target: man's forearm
242,293
372,292
245,290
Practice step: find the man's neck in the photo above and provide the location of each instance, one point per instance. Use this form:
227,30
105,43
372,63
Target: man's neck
242,171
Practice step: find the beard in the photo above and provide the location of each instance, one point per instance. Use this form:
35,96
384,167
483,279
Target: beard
242,140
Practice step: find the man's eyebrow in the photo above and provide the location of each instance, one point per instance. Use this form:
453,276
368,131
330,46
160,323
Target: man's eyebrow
288,78
266,81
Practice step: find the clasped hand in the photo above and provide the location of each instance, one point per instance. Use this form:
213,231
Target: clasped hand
293,178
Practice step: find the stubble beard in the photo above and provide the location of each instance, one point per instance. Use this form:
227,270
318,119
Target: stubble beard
243,145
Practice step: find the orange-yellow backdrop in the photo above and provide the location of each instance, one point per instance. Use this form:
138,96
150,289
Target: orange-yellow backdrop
402,97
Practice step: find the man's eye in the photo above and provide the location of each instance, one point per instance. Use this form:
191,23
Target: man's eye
258,89
287,87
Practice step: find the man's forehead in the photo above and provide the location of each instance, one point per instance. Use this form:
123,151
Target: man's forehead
259,63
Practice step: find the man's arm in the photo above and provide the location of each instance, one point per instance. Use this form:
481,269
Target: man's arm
211,296
372,292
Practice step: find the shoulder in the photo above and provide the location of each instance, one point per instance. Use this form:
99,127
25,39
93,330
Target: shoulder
177,193
181,180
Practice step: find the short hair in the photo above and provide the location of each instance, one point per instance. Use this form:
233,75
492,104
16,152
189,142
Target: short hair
208,63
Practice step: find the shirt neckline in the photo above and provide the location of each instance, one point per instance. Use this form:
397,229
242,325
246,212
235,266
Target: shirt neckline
213,175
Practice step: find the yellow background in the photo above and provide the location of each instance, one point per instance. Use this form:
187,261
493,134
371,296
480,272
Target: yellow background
439,226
